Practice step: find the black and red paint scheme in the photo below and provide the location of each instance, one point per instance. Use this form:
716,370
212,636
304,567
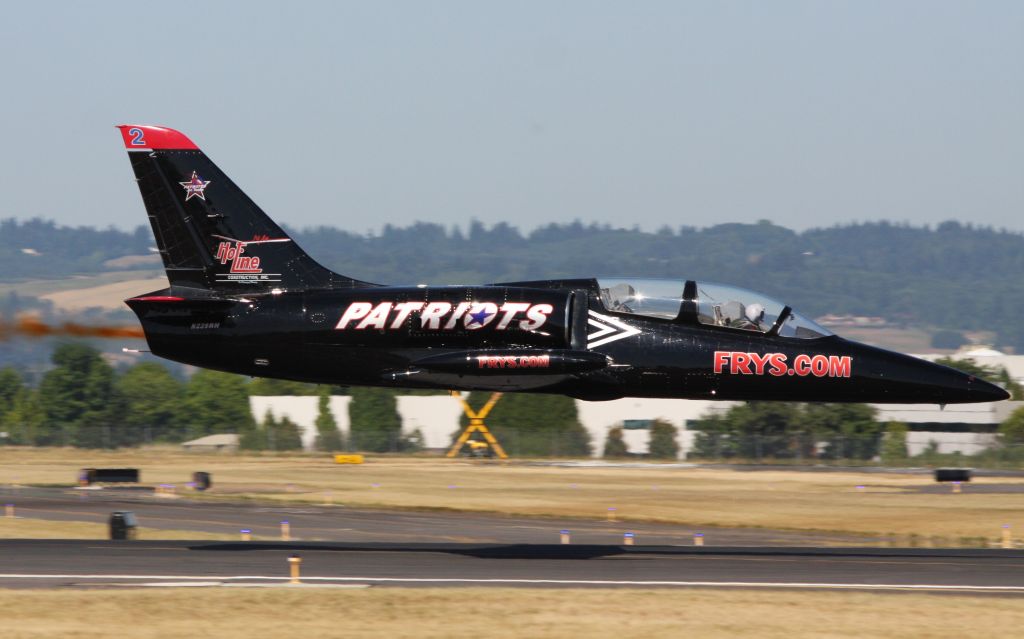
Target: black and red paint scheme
244,298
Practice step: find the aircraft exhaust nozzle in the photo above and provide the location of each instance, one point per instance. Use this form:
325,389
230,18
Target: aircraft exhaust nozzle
495,362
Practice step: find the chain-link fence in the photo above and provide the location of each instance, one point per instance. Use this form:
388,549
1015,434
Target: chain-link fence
699,446
789,447
808,448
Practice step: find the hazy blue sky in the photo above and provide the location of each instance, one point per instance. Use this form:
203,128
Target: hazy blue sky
649,113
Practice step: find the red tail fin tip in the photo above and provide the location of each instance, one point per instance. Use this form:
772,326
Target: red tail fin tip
146,137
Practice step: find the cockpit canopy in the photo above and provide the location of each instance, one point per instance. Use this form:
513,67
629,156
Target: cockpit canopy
706,303
652,298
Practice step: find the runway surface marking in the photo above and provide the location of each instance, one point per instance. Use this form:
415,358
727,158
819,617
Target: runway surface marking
183,522
540,582
839,560
103,517
145,548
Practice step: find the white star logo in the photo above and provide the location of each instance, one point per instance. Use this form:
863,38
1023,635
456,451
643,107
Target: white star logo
195,187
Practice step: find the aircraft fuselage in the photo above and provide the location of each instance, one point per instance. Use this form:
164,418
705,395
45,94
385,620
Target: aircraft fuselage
554,339
245,298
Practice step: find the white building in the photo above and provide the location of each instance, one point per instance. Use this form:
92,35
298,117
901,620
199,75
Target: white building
301,409
985,356
600,417
963,428
967,428
437,417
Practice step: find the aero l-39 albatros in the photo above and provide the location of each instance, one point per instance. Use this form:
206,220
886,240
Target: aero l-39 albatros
245,298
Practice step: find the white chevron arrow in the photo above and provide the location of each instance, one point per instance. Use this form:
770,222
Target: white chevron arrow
609,329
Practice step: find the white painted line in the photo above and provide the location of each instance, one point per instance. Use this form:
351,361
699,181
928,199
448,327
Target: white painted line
302,585
221,584
180,584
542,582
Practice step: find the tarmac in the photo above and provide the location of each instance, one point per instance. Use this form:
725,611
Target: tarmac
346,547
92,564
341,523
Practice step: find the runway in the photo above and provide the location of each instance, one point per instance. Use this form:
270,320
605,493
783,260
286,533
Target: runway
343,546
85,563
340,523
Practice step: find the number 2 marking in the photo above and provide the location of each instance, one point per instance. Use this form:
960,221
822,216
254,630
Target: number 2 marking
138,136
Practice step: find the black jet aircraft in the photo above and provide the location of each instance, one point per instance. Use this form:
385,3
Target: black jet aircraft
245,298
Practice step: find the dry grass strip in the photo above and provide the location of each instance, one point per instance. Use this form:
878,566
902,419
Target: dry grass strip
500,613
783,499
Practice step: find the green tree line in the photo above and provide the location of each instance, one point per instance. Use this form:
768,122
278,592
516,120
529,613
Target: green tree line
783,430
809,432
532,425
662,443
82,401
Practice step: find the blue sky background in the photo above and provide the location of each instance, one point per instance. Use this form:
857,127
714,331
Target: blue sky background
647,113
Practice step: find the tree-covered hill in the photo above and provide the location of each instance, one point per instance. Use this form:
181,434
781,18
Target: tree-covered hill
40,249
954,276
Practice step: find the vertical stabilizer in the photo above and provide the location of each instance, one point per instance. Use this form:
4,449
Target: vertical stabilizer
210,234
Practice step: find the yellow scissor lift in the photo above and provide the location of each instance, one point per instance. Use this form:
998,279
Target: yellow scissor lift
476,425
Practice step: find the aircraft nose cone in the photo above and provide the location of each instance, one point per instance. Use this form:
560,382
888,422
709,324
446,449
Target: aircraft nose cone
904,379
981,391
957,387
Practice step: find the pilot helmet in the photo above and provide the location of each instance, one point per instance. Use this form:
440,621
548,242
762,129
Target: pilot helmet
755,312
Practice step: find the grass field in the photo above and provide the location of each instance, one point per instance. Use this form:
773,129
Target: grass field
107,296
38,288
19,528
500,613
782,499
